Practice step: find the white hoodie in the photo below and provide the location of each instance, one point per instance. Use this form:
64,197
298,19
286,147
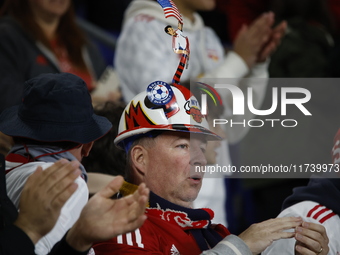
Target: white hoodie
144,51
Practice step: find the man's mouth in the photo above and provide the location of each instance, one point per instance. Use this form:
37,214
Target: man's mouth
196,177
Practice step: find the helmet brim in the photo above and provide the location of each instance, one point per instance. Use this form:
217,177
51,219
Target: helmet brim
194,129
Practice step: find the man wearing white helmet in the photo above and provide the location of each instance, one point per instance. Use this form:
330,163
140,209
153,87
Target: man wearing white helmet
164,134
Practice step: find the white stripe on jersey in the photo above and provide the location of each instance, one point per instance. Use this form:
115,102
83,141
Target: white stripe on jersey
120,239
139,239
130,237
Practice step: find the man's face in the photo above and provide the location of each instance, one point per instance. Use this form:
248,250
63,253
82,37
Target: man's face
170,167
171,31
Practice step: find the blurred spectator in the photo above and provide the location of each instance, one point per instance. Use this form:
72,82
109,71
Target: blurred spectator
239,12
105,157
324,22
306,47
312,25
42,37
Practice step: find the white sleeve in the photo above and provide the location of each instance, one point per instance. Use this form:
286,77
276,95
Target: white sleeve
151,59
235,71
68,216
256,80
284,246
232,66
238,73
332,225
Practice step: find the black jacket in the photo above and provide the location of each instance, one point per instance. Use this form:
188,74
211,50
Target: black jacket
21,59
325,191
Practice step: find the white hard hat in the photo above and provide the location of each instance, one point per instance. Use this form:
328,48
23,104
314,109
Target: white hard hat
162,107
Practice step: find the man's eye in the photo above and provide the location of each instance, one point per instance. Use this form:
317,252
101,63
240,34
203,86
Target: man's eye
183,146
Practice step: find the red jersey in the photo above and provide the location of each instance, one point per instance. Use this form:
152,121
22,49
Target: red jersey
156,236
169,230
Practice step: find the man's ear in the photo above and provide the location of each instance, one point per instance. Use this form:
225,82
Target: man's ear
140,158
85,151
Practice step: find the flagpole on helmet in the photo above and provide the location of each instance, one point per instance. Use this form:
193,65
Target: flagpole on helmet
180,43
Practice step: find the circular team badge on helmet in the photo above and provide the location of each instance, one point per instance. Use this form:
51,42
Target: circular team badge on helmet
159,93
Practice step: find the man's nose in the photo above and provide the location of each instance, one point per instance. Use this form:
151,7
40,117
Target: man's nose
197,157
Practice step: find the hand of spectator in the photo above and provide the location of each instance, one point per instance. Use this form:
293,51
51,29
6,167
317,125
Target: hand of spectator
260,235
43,196
274,40
311,239
250,40
103,218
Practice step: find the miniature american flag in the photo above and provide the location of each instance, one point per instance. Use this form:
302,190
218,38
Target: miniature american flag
170,9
